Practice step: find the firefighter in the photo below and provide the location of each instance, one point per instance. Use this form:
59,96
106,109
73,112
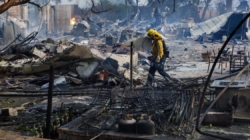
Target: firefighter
159,55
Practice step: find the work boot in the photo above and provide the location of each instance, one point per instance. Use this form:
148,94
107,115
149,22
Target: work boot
168,79
148,84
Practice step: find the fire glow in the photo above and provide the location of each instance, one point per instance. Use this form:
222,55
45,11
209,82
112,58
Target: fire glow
73,21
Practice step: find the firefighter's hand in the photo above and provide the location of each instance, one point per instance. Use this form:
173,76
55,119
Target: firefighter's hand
158,59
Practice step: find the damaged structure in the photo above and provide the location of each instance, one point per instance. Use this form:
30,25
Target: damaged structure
84,74
222,25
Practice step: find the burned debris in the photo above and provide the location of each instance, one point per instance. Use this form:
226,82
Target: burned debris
83,75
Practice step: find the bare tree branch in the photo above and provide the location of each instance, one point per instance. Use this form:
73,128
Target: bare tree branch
207,2
85,15
94,7
11,3
101,4
34,4
19,2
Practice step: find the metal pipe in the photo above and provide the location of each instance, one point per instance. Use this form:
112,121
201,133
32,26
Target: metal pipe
224,77
49,105
45,94
131,66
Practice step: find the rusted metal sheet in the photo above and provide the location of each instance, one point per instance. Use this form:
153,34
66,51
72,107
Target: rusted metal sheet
243,105
218,118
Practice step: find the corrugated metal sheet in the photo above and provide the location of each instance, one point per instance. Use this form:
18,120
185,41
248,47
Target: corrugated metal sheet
209,26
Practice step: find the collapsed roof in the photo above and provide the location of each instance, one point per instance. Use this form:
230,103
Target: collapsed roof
210,26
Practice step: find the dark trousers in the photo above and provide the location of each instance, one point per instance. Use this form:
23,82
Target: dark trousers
153,69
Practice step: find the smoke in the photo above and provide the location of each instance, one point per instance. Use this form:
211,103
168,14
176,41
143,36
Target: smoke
85,4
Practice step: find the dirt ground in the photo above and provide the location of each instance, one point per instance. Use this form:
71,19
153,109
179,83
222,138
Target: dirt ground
9,132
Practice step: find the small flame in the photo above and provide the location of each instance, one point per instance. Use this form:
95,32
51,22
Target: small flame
73,21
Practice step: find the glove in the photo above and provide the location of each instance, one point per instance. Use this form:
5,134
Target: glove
158,59
150,58
152,64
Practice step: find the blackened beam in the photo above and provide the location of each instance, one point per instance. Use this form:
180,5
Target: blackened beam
94,91
131,66
227,76
78,91
14,94
49,104
21,94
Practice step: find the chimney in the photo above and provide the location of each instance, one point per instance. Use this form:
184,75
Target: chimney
229,4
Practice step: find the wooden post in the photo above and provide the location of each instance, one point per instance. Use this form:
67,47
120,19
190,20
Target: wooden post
208,62
231,60
49,105
131,66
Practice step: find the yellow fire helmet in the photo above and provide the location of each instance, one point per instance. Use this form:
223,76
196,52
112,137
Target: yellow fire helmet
152,33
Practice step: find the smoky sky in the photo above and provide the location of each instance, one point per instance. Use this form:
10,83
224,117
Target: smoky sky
87,3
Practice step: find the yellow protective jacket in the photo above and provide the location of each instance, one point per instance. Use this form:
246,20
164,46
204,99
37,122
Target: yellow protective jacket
157,48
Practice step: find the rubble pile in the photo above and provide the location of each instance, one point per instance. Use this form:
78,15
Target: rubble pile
65,109
81,67
171,112
73,62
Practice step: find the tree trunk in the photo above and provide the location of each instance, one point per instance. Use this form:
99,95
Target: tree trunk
205,9
11,3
